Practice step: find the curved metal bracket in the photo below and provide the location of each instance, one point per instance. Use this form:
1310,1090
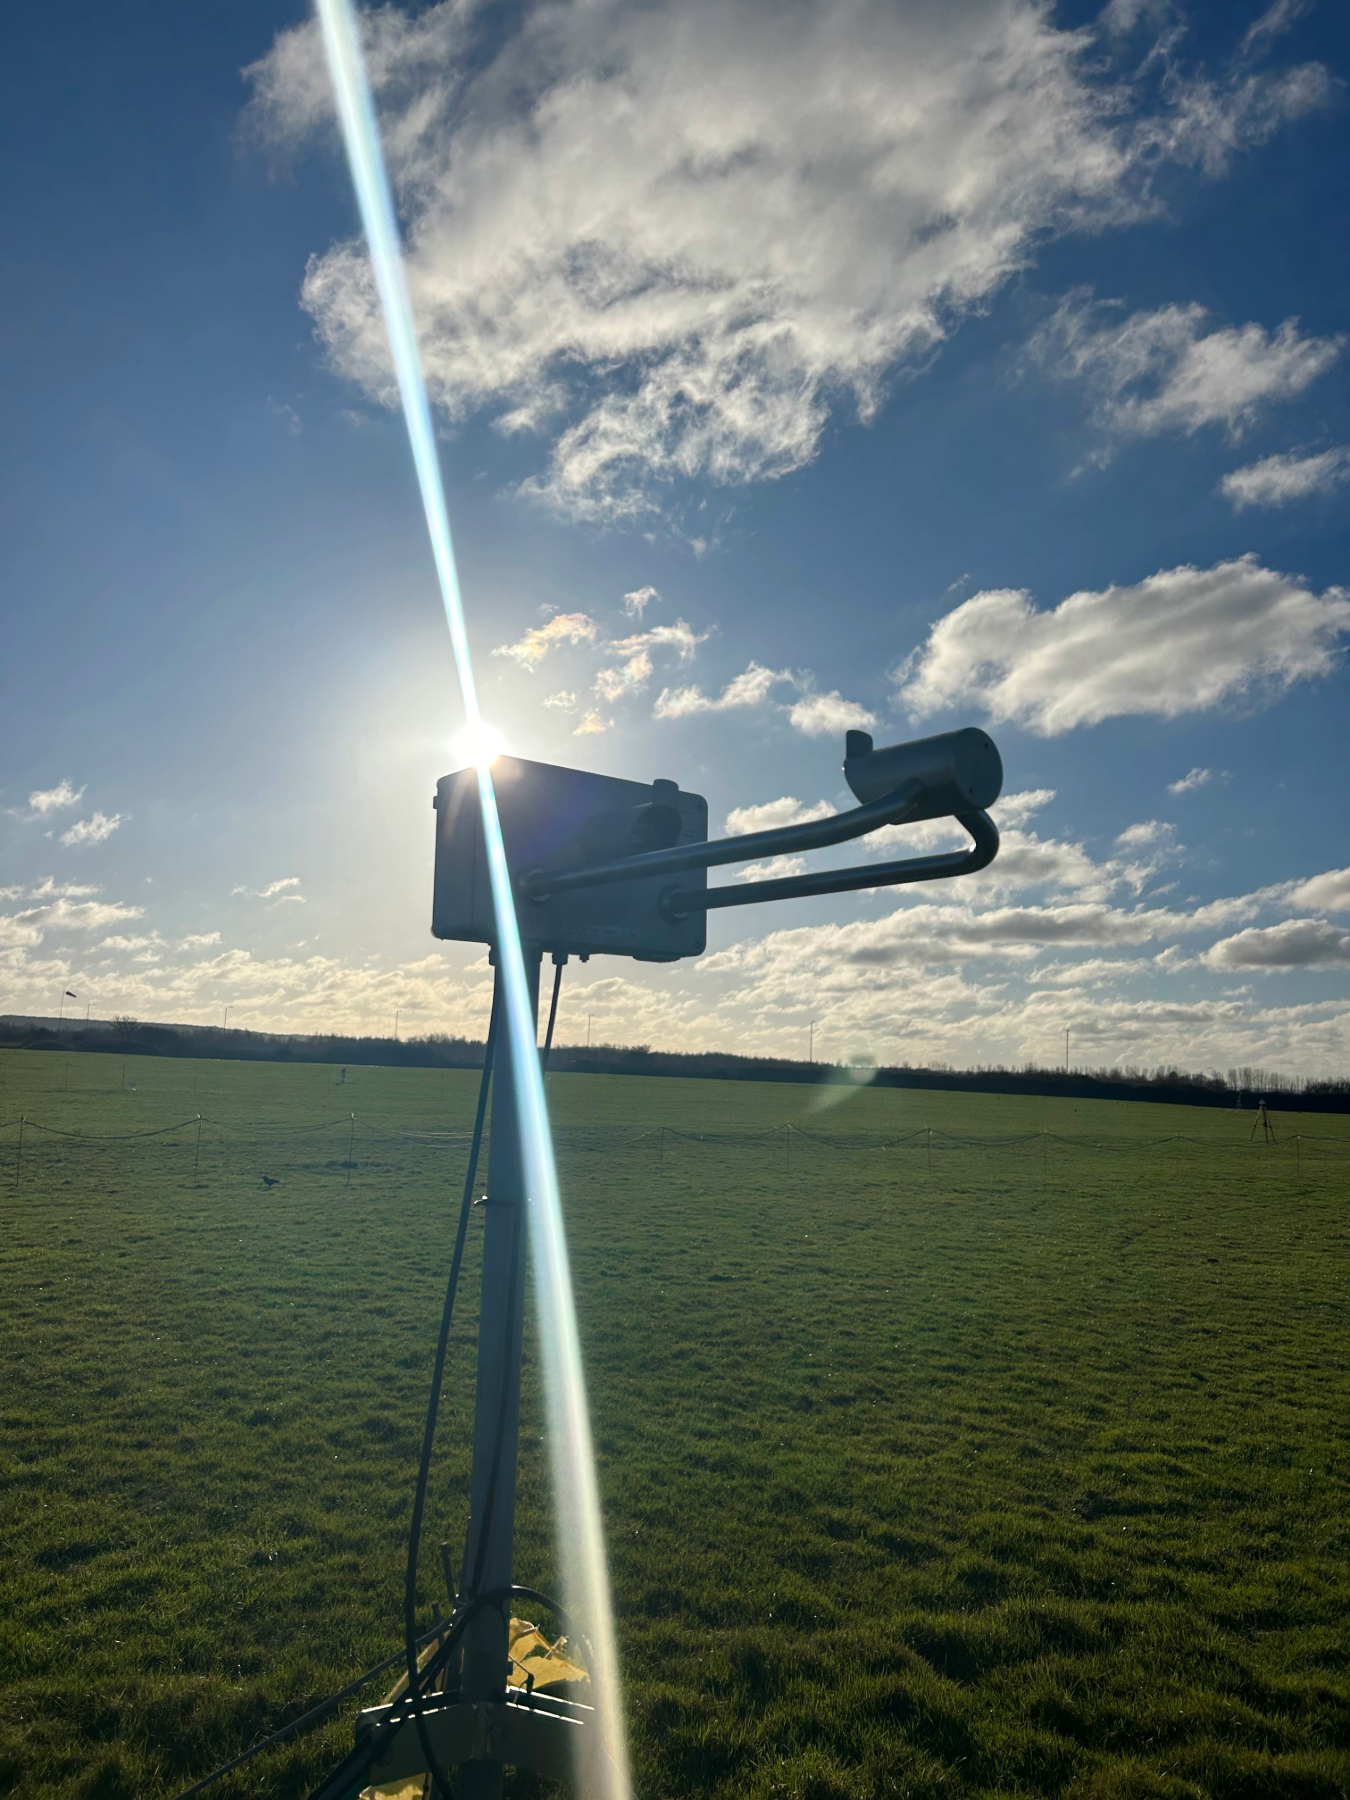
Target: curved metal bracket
677,903
811,834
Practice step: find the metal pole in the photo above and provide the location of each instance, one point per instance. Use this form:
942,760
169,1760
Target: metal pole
496,1425
811,1044
589,1017
197,1153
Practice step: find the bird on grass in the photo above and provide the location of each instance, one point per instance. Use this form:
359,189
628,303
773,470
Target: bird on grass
271,1180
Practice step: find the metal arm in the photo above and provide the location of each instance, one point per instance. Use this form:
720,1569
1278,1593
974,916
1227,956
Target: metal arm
812,834
678,903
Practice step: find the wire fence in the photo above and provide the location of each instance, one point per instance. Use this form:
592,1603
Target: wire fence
202,1149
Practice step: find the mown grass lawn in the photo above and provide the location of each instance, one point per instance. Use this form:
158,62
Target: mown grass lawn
980,1464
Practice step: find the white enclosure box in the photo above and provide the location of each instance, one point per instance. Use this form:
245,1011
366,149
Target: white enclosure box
564,819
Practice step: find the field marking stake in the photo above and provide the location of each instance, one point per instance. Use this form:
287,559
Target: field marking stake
351,1150
930,1149
18,1164
197,1154
663,1154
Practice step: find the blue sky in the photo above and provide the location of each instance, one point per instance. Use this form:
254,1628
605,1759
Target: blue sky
796,366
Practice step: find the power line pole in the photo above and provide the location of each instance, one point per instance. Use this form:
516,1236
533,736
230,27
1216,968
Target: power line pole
811,1044
589,1017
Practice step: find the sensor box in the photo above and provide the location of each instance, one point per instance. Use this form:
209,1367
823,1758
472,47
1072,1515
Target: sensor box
560,820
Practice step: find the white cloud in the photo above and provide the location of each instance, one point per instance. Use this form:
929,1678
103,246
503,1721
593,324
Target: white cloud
1293,944
1184,640
94,830
674,239
1329,892
772,815
750,688
75,915
278,891
611,684
1163,371
47,800
679,637
636,603
563,628
1276,19
591,725
1277,480
830,715
1016,809
50,889
1188,783
772,868
565,700
1146,832
200,940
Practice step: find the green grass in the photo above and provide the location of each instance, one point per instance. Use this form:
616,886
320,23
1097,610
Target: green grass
1017,1465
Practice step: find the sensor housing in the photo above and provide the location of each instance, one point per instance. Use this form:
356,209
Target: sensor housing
563,820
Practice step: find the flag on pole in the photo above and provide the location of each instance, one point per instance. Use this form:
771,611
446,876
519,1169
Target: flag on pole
70,996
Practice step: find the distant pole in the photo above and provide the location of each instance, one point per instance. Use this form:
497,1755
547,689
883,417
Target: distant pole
197,1155
87,1005
589,1017
811,1043
400,1009
1066,1049
226,1025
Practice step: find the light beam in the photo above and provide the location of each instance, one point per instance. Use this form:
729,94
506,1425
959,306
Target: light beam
581,1540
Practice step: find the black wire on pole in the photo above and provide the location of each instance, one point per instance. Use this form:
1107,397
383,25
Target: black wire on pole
433,1403
558,961
312,1717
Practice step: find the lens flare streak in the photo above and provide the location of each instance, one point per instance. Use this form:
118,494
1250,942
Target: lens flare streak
581,1540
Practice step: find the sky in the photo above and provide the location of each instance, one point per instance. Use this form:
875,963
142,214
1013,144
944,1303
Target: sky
796,367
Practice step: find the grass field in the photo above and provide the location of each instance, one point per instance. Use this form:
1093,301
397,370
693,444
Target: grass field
962,1462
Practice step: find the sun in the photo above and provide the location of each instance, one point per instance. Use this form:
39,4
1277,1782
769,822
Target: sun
479,743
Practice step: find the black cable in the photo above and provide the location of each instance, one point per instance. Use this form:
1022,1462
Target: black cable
314,1714
343,1781
558,961
433,1403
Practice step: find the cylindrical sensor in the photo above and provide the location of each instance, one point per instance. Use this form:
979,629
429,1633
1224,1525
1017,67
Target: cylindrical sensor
961,771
